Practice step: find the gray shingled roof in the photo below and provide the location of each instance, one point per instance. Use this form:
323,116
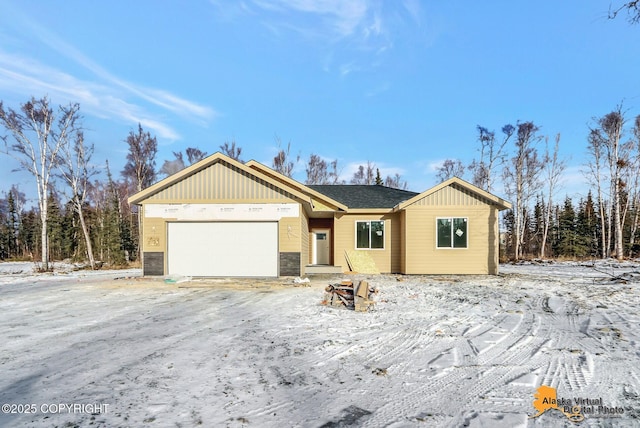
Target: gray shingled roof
364,196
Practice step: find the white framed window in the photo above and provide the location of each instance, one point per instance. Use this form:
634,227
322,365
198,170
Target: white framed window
452,232
369,235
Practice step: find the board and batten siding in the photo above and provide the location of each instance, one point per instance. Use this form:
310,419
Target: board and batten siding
452,195
221,182
420,236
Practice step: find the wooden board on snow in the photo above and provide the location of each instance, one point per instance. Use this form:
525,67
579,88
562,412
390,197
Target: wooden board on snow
361,262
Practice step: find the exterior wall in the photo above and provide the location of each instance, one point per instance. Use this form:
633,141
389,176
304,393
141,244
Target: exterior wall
222,183
421,256
388,259
304,241
480,256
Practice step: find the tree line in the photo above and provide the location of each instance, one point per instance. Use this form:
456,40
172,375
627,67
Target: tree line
530,169
82,212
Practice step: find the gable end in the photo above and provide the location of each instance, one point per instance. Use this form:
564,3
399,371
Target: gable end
453,194
221,181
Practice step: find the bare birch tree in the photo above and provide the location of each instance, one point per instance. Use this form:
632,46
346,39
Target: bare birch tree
76,170
38,135
283,162
365,174
522,179
553,169
319,171
396,182
634,195
631,7
597,177
231,150
450,168
140,168
609,134
492,155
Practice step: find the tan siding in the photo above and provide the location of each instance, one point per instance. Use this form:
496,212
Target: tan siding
480,256
305,245
289,235
221,182
345,239
396,243
154,235
451,195
403,234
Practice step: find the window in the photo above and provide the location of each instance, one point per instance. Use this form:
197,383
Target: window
452,232
369,234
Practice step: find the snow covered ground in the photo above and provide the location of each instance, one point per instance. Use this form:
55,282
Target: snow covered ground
110,348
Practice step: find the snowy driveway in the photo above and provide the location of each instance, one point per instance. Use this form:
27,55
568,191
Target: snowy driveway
437,351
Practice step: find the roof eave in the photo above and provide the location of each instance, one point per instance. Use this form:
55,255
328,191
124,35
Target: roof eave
137,198
291,182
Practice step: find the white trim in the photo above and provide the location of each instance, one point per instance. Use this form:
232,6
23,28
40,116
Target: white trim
222,248
234,212
314,247
466,219
355,237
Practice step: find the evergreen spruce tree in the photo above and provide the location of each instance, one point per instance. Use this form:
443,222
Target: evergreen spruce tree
112,224
587,226
54,229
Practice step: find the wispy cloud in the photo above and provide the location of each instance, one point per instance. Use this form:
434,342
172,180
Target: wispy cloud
27,77
354,32
105,96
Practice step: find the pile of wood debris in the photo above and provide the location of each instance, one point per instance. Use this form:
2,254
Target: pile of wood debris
346,295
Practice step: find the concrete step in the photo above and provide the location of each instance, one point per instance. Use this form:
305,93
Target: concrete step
322,269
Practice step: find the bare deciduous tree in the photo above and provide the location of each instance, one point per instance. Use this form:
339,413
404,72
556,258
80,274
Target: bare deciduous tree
521,178
231,150
282,162
450,168
634,185
396,182
492,156
38,135
553,169
365,174
597,176
631,7
194,155
140,168
170,167
320,171
609,134
76,170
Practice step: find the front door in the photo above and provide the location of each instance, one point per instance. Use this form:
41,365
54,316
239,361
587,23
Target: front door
321,247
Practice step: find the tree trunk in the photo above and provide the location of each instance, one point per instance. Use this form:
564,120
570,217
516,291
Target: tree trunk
44,236
87,237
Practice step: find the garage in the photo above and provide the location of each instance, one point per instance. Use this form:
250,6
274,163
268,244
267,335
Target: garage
222,248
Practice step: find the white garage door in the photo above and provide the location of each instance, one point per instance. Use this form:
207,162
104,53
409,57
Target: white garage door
223,249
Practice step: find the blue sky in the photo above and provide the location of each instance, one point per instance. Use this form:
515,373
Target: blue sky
399,83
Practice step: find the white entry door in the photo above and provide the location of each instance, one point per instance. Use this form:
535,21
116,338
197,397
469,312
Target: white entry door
223,248
321,247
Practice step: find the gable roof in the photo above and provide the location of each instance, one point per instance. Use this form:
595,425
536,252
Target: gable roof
205,163
500,203
358,196
290,182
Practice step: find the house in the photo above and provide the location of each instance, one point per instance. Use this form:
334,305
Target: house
223,218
